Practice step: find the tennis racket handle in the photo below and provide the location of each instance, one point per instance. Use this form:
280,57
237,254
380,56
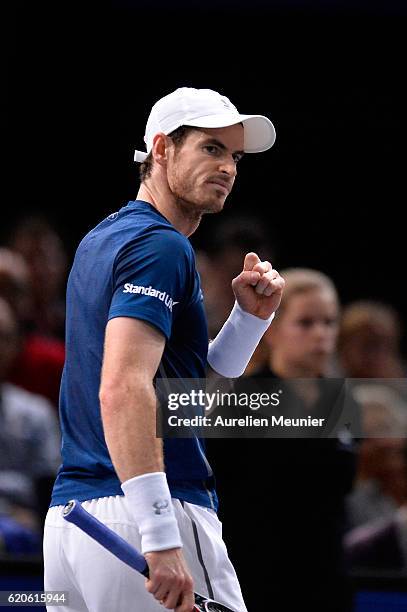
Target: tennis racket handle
76,514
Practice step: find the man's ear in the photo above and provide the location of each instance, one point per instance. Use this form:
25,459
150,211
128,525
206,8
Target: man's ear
161,144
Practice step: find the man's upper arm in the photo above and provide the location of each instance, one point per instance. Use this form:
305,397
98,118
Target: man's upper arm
132,348
150,276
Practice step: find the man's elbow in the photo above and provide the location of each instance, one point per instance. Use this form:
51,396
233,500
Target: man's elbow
116,393
108,396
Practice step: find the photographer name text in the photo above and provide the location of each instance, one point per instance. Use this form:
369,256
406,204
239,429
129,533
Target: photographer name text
247,421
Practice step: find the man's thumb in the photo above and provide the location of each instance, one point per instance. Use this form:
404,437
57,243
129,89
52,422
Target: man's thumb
250,261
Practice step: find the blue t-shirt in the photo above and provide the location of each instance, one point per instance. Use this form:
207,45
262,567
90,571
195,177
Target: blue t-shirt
133,264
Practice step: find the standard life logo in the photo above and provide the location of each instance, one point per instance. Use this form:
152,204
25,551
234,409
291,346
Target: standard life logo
161,295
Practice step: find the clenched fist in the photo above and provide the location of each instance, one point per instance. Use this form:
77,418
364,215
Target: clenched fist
258,288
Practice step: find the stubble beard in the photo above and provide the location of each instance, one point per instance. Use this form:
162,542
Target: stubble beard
192,208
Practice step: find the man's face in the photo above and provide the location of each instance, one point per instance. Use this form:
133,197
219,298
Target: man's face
201,172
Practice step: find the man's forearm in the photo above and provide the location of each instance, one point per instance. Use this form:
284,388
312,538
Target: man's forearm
129,421
233,347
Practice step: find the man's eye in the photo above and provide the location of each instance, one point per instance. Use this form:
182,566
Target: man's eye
211,149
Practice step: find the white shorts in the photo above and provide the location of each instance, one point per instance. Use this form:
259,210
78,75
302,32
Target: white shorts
99,582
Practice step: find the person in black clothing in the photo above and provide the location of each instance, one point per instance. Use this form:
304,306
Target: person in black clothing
290,514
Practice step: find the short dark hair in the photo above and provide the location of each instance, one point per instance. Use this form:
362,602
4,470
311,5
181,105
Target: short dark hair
178,136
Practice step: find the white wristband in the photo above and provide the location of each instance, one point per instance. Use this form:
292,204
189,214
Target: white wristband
231,350
150,503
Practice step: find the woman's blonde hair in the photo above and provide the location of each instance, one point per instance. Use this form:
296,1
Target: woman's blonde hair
303,280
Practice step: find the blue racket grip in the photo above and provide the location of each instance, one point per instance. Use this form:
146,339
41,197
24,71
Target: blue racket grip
76,514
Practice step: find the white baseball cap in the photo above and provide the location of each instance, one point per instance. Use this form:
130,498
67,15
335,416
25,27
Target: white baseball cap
205,108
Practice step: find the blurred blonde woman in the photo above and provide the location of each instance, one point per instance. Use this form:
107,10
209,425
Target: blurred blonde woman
302,339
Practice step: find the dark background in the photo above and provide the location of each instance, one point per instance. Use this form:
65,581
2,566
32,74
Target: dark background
81,78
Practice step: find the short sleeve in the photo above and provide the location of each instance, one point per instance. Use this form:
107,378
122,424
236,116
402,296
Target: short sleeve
152,278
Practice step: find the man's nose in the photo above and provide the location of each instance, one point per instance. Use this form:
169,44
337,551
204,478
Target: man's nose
228,166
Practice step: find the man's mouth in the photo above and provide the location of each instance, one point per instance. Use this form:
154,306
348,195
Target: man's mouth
220,184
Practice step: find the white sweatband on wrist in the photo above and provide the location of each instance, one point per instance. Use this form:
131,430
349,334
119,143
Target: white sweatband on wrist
150,503
231,350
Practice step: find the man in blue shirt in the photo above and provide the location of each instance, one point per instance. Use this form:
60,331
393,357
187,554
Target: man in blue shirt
134,306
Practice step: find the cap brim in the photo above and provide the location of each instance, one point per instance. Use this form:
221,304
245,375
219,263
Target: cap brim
259,132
